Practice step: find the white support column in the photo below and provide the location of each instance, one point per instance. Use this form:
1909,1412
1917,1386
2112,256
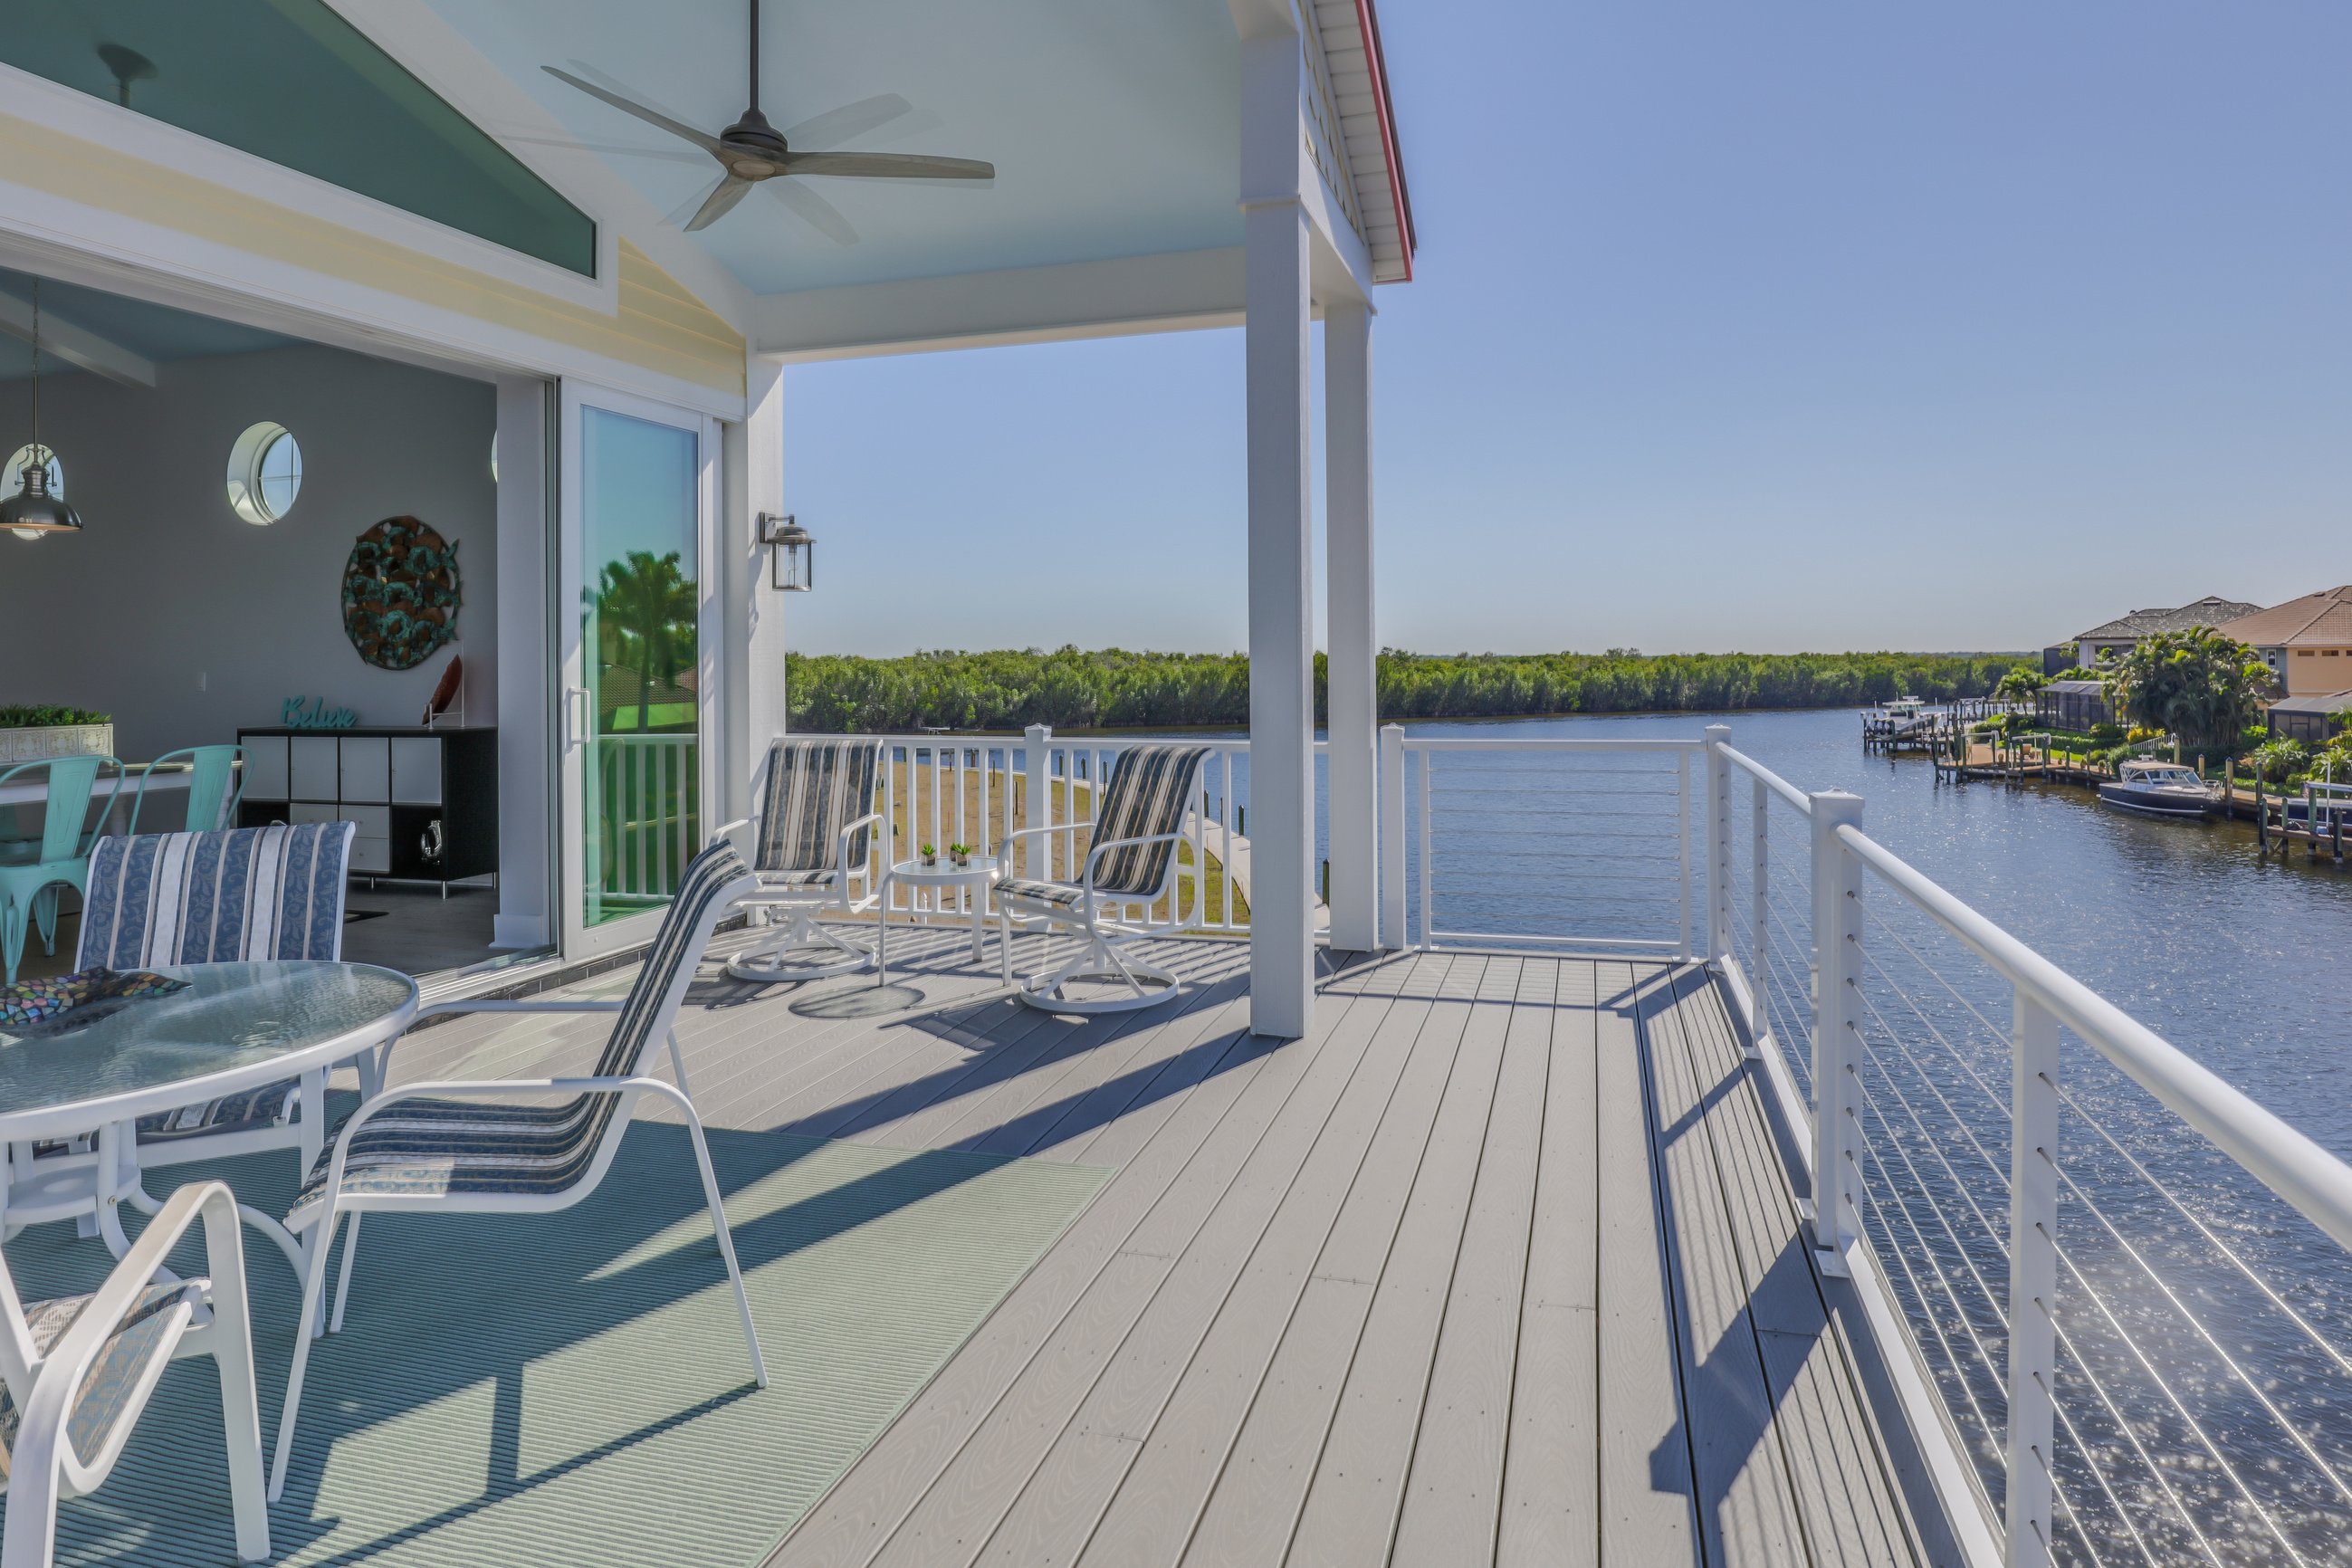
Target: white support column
1351,688
754,661
526,673
1281,650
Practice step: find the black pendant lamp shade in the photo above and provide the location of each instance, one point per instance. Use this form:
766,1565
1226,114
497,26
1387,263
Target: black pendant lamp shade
33,511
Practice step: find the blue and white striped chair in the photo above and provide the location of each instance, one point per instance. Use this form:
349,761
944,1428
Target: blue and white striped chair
808,848
77,1372
239,895
1131,861
467,1147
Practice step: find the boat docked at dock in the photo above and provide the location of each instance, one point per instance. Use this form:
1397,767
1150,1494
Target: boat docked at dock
2148,788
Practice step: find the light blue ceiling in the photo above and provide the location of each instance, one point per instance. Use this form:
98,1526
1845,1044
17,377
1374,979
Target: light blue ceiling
152,331
1112,123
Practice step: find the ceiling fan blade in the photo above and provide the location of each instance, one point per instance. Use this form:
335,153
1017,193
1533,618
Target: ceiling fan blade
719,204
849,121
814,210
890,165
650,116
675,217
572,143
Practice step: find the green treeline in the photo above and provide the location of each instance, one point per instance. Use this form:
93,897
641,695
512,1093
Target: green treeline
1112,688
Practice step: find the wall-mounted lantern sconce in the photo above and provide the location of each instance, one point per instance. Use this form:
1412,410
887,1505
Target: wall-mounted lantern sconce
791,563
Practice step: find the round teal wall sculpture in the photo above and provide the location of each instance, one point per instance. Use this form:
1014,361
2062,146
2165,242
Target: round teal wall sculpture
400,594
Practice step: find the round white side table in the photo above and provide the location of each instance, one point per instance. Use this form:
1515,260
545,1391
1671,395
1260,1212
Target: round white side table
980,874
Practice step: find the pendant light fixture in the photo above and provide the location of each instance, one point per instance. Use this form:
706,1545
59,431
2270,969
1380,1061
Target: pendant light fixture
33,511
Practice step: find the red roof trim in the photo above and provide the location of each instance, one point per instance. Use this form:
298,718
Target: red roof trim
1369,23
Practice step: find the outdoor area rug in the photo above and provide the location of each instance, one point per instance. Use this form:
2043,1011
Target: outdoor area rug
574,1388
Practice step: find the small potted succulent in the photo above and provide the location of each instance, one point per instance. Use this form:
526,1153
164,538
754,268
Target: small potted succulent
959,856
931,855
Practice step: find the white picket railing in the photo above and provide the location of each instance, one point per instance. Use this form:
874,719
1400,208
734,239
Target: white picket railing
943,789
648,815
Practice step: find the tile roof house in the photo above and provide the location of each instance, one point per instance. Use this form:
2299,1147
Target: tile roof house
2308,642
2124,633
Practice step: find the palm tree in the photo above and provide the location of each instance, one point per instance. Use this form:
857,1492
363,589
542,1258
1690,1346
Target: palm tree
2203,687
646,616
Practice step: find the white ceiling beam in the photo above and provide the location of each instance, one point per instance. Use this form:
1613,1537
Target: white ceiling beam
78,346
1174,292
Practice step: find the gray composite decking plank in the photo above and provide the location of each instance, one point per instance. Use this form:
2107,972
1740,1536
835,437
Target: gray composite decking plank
1647,1497
900,1474
1746,1508
1014,1118
1350,1510
1551,1477
1059,1509
1156,1504
1253,1504
971,1492
1850,1505
1453,1498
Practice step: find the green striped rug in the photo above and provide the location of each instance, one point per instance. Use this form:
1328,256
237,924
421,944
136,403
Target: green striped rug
572,1389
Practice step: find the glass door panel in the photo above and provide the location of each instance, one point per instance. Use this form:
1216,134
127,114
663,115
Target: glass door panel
635,707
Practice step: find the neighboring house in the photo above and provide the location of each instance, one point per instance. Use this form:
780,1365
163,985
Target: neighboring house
2308,642
2125,633
2310,720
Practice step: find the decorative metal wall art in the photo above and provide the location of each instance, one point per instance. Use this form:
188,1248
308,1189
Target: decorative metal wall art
400,594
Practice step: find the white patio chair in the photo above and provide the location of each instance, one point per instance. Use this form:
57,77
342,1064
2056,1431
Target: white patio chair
467,1147
231,895
78,1370
1139,820
807,847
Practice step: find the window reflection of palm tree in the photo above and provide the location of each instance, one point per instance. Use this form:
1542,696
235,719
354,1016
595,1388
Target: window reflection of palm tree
645,614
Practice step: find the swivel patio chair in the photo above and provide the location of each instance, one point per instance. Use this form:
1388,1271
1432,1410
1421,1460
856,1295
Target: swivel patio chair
467,1147
807,847
79,1372
1131,861
34,871
239,895
216,785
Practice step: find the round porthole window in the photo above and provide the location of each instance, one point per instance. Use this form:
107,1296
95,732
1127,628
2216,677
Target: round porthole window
265,473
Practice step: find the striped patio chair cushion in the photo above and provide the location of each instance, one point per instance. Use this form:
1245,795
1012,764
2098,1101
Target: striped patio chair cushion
1060,895
235,895
104,1398
775,879
1151,790
242,894
444,1148
814,790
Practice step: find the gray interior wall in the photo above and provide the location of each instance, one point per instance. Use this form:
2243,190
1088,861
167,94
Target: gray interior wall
184,621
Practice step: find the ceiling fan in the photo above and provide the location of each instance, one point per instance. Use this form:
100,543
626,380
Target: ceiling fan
752,151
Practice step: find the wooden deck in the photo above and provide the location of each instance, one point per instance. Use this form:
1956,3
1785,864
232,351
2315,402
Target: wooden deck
1501,1264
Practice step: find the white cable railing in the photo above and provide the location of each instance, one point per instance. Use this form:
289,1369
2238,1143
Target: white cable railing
2120,1279
1580,844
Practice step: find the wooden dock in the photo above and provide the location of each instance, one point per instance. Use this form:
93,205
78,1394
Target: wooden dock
1501,1264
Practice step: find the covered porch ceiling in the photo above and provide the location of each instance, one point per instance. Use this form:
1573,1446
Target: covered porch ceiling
1114,127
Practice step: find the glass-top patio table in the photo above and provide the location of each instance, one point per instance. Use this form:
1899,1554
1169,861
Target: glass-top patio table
236,1026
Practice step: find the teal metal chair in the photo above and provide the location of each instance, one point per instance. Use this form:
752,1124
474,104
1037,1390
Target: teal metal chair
32,871
216,785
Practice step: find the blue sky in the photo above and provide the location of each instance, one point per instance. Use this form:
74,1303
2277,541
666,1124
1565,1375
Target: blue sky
1737,326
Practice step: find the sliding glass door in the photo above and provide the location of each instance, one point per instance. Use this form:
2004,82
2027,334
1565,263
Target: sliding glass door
639,652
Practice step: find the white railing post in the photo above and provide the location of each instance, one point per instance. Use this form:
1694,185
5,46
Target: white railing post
1391,797
1037,810
1759,917
2032,1278
1428,853
1682,844
1718,846
1837,1031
